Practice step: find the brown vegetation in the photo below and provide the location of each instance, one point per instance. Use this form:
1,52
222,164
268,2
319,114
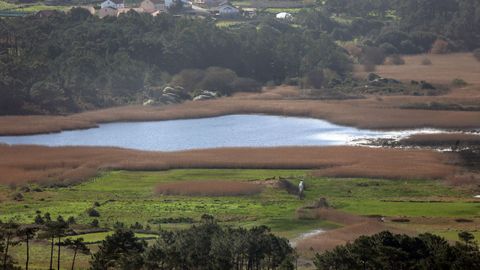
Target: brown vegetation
442,139
21,164
446,67
208,188
354,227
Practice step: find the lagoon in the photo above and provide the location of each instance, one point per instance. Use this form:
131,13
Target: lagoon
241,130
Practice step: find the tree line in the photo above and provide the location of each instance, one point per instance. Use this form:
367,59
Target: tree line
75,61
204,246
416,23
209,246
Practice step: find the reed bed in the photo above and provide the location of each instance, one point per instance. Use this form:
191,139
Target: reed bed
208,188
443,139
50,165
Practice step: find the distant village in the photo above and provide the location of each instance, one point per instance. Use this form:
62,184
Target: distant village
219,8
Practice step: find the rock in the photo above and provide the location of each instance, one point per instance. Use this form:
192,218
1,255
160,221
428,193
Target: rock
373,76
148,102
426,85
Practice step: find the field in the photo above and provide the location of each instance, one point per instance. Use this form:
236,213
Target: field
130,197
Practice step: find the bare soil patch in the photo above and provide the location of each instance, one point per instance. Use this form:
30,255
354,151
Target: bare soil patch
355,226
208,188
22,164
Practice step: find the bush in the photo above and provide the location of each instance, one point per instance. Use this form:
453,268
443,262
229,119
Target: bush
393,37
395,59
245,85
388,48
95,223
218,79
369,67
423,40
372,55
314,79
17,197
92,212
458,82
440,46
426,61
408,47
476,54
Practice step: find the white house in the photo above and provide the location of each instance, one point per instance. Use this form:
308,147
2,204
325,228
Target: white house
112,4
227,11
284,16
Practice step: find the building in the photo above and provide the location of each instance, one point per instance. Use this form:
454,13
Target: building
112,4
151,6
226,11
284,16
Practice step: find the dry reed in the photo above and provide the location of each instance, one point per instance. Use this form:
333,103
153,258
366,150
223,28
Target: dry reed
208,188
21,164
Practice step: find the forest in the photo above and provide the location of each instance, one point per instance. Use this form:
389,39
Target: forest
73,62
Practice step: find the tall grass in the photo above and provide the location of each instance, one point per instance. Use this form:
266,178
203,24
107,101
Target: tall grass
208,188
64,165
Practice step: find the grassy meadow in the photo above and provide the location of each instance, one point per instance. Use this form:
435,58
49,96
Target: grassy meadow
129,197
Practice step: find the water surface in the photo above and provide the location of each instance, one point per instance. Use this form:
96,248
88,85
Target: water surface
213,132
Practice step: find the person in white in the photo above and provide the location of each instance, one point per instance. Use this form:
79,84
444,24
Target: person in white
300,189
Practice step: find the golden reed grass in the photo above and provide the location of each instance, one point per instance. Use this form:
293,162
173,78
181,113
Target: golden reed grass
208,188
21,164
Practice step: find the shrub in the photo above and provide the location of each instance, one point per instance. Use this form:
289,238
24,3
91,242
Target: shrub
388,48
408,47
369,67
95,204
395,59
245,85
17,197
426,61
95,223
372,55
458,82
423,40
393,37
314,79
440,46
218,79
71,220
476,54
92,212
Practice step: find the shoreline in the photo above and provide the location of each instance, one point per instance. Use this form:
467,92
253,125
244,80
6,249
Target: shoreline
367,113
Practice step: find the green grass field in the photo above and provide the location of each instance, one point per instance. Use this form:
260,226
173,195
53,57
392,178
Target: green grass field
129,197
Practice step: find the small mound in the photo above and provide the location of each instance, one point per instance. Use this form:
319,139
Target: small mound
208,188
